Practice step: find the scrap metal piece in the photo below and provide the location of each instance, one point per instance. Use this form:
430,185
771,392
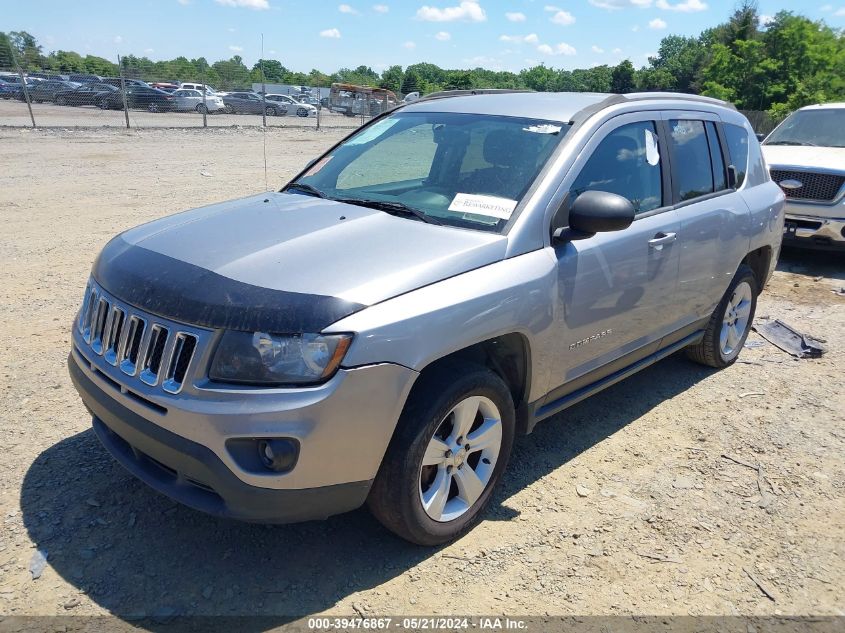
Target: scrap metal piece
790,340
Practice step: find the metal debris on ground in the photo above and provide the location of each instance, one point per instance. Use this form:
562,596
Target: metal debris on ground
789,339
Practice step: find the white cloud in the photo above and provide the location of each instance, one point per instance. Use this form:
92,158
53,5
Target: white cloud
330,33
563,18
516,16
596,49
381,8
558,49
184,2
147,51
657,24
443,36
531,38
231,29
615,5
410,45
635,28
687,6
825,8
466,11
345,8
258,5
616,51
766,20
236,49
552,8
840,12
118,39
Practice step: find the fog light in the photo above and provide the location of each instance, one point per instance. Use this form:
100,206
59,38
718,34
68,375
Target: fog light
277,455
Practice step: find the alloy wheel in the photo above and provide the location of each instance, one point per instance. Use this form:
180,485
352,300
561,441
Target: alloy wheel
460,458
735,320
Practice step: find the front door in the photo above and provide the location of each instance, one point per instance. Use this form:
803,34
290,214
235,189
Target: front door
616,290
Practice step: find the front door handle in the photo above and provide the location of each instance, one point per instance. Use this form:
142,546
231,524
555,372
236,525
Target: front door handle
658,241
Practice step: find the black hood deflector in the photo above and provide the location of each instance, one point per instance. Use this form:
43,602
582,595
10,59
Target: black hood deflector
184,292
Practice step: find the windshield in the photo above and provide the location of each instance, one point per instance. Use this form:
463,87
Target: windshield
466,170
822,127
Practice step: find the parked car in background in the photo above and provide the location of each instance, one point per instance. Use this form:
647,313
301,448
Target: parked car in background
247,103
85,94
116,82
83,78
186,100
195,86
165,85
139,97
8,90
289,105
47,90
806,157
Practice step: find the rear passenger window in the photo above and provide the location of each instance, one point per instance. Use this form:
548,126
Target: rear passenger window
627,163
691,168
737,139
720,180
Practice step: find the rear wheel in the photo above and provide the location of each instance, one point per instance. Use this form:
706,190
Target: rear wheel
228,109
449,450
202,109
60,100
301,112
729,324
153,107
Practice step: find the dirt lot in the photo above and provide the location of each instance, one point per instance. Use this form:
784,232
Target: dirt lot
624,504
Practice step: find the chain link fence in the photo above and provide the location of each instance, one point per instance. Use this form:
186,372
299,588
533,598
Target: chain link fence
135,98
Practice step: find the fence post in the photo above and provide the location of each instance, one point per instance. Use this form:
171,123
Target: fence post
263,89
319,110
123,92
24,89
204,105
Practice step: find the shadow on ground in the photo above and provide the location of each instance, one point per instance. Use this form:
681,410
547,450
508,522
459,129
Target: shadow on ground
812,263
139,555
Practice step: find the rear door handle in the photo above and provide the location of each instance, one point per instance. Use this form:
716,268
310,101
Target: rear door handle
662,238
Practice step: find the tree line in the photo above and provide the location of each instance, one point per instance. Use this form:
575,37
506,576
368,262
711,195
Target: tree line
788,62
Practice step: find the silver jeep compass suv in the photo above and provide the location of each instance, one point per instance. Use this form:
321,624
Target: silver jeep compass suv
438,282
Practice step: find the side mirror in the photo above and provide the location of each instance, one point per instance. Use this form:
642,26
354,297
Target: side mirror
760,137
596,212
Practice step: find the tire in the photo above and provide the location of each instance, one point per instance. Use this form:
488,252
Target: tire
301,112
729,324
270,111
153,107
60,100
103,104
202,109
228,109
458,484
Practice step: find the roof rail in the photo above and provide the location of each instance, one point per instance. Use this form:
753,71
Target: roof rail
682,96
442,94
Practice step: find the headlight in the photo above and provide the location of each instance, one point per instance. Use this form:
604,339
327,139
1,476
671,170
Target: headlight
277,359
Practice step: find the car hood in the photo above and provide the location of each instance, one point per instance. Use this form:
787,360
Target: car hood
801,157
283,262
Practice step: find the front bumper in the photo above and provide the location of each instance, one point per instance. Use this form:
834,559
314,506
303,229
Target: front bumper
180,445
814,231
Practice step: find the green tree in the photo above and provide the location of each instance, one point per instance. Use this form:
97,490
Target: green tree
391,78
622,78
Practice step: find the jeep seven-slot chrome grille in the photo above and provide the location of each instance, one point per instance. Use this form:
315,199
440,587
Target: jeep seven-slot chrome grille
808,185
141,346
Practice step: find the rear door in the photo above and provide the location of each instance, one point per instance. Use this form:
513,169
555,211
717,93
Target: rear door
616,290
714,219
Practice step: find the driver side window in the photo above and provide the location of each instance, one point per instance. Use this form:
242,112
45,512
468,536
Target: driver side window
626,162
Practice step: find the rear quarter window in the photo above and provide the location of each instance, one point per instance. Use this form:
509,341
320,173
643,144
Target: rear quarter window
737,139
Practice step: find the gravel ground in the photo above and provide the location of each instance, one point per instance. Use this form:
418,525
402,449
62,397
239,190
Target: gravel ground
682,490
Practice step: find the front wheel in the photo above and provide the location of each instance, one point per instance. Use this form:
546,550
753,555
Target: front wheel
202,109
449,450
153,107
61,100
270,111
729,324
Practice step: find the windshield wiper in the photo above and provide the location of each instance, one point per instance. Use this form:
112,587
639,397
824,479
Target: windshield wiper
393,208
807,143
301,186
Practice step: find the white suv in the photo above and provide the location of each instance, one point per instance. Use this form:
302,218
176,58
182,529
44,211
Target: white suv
806,157
292,105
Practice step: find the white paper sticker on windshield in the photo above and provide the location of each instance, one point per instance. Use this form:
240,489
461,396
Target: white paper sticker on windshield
543,129
373,132
490,206
652,155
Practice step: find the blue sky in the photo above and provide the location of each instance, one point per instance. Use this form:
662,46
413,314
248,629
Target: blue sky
500,34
